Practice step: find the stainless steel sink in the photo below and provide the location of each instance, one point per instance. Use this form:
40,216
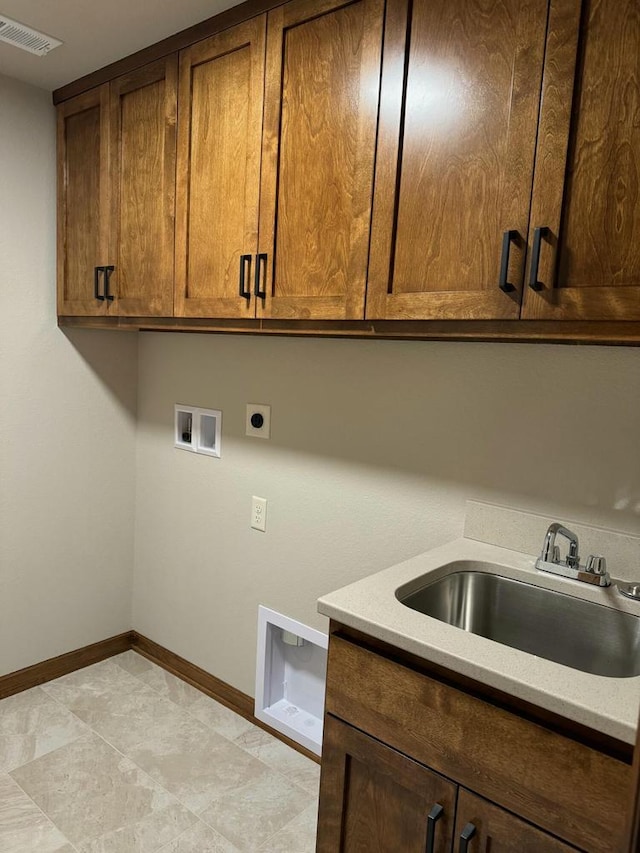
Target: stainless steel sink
586,636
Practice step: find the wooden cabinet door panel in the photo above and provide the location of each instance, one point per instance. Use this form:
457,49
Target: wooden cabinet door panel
455,161
323,65
219,140
373,798
143,162
498,831
587,178
83,200
472,741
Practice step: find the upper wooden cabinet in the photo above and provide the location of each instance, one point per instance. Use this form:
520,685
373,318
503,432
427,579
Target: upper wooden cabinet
585,262
116,163
458,197
343,165
458,120
218,188
143,176
83,201
273,220
321,103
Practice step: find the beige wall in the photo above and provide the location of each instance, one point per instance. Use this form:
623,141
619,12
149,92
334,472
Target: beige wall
67,423
375,448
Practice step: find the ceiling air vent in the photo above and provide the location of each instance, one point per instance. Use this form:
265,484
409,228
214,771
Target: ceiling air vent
24,37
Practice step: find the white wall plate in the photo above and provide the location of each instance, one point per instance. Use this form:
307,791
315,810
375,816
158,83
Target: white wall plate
258,423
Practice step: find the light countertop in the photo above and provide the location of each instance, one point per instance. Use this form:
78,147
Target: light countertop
609,705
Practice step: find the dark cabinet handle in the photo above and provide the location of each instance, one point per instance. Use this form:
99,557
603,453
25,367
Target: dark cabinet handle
538,234
107,276
504,262
96,283
434,816
465,837
261,263
244,260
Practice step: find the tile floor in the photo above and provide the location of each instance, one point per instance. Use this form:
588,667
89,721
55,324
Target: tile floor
123,757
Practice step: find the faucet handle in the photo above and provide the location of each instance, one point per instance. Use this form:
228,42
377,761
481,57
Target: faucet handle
596,565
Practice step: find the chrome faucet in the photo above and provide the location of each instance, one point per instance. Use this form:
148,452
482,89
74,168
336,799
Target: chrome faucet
595,570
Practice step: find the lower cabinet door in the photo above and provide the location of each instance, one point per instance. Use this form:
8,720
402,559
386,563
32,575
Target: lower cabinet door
481,827
374,799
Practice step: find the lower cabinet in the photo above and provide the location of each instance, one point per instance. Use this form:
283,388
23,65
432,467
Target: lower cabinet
482,826
374,798
416,759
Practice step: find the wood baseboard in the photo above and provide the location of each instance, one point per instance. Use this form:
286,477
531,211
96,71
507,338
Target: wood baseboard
219,690
231,697
47,670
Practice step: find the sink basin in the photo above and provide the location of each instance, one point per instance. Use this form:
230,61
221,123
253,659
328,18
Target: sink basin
586,636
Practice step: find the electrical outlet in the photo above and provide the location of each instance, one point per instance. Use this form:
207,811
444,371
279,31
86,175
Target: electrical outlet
258,421
259,513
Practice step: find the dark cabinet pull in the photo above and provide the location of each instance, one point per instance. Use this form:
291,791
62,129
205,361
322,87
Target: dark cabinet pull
504,262
465,837
96,283
434,816
538,234
261,263
244,260
107,276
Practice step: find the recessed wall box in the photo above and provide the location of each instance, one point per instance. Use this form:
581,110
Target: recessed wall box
209,431
290,677
185,417
198,430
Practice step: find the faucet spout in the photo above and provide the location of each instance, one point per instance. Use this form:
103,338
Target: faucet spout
549,560
548,553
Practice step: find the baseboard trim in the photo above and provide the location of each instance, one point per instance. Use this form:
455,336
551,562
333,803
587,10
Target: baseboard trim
192,674
47,670
231,697
217,689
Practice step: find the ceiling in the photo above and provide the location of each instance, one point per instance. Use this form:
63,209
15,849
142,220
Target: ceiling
94,33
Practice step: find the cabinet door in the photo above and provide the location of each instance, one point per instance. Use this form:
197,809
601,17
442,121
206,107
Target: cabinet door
143,163
83,202
587,181
321,102
374,798
458,119
219,138
489,828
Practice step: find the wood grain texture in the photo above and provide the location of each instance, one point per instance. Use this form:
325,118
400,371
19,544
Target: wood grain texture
323,61
458,159
633,823
519,765
221,97
143,162
514,331
587,184
372,798
83,200
39,673
584,735
498,831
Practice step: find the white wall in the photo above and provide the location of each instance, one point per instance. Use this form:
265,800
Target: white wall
67,423
376,446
